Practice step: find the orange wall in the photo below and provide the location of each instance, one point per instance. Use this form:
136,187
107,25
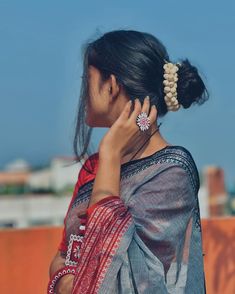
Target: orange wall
219,261
25,255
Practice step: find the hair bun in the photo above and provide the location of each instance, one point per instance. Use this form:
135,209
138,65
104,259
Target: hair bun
190,87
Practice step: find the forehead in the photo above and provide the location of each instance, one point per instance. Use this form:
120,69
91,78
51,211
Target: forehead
93,74
92,70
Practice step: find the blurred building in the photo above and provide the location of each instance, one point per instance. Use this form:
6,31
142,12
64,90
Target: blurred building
217,195
18,165
232,200
32,210
36,197
14,177
203,201
59,176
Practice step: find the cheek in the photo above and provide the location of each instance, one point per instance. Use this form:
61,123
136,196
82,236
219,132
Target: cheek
96,115
96,104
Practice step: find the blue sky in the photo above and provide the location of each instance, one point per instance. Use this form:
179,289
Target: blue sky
40,72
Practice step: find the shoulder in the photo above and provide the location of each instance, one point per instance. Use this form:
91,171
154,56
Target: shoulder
92,160
179,153
179,156
88,169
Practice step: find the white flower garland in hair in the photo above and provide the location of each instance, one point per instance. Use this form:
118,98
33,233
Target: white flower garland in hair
170,85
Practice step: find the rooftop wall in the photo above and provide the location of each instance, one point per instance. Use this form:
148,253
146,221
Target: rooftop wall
25,255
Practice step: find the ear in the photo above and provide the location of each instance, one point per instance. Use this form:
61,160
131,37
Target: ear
114,87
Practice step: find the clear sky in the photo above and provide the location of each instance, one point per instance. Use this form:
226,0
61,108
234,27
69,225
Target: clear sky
40,68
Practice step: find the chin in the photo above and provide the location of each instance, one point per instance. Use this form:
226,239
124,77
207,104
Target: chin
94,121
89,123
95,124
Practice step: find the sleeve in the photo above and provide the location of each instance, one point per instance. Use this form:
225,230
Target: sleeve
62,246
83,177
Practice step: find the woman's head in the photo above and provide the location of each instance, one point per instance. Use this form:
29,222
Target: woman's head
123,65
105,99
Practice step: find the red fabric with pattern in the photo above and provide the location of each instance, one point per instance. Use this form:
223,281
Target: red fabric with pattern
83,177
107,221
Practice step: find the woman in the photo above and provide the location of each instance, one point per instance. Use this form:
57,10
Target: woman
133,223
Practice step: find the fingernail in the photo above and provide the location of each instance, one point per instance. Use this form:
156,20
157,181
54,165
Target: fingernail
147,97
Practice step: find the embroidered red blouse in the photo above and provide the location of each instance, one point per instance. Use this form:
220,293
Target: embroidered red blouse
83,177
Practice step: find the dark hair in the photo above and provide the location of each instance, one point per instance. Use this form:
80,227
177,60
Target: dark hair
136,59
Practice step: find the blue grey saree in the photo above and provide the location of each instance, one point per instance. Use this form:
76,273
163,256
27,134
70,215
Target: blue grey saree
148,239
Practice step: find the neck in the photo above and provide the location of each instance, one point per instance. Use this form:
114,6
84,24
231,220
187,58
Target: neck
155,143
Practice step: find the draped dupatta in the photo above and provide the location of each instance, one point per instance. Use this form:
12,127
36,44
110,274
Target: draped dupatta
109,225
148,239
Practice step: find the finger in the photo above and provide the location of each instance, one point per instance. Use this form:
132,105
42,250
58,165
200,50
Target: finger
136,110
153,114
126,111
146,105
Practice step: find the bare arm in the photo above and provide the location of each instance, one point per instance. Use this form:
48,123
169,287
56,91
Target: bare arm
64,285
57,262
123,135
107,180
